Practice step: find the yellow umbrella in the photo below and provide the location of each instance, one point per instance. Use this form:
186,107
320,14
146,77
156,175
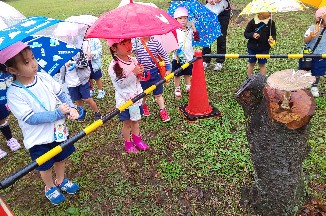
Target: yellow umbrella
272,6
315,3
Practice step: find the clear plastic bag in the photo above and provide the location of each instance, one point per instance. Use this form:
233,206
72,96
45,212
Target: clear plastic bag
134,112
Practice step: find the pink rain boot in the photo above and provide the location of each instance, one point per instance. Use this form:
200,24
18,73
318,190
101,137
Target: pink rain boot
129,147
139,143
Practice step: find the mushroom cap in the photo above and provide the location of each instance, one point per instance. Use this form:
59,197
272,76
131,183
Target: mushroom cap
290,80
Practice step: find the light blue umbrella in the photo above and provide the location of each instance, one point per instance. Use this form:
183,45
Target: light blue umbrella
52,41
23,29
206,21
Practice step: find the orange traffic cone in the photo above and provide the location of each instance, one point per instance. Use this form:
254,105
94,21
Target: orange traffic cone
198,106
4,209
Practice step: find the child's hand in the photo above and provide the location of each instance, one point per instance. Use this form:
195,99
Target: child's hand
64,108
138,70
193,27
167,72
73,114
68,63
256,35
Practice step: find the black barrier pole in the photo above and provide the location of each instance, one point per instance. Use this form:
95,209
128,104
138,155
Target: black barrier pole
53,152
296,56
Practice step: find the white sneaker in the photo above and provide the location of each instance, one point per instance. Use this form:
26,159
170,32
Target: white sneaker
206,65
91,92
314,91
2,153
101,94
13,144
187,89
177,93
218,67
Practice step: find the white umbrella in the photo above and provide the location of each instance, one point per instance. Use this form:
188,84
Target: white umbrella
85,19
9,15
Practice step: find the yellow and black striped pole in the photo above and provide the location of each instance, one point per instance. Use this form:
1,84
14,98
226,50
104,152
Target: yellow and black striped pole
267,56
89,129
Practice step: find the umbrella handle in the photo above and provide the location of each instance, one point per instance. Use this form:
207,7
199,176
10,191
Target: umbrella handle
72,66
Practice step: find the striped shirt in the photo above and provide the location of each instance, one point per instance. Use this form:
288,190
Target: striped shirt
156,49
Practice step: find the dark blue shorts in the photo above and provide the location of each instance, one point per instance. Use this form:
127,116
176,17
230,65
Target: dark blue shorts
4,113
318,67
123,116
79,92
176,65
155,77
260,61
39,150
94,74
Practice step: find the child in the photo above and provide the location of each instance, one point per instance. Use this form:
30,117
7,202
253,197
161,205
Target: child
40,106
257,32
124,72
5,81
76,75
185,52
145,48
94,54
223,9
318,67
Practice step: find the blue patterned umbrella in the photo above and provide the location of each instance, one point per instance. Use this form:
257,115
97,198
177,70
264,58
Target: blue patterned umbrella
50,52
206,21
52,41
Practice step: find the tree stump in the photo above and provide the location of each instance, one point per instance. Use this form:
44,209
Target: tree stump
278,144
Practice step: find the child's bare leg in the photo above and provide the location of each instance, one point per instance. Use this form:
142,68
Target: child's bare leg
99,84
135,128
251,69
126,126
92,104
263,69
79,102
144,100
177,81
187,79
160,101
59,169
47,178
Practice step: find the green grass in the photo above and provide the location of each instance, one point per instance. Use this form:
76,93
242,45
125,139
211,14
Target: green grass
191,168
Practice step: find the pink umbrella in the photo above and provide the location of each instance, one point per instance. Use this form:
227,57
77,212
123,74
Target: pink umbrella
132,20
168,41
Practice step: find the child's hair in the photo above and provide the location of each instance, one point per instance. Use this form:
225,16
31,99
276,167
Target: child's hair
117,68
2,68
